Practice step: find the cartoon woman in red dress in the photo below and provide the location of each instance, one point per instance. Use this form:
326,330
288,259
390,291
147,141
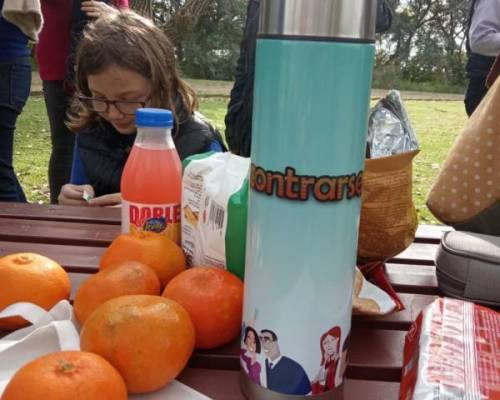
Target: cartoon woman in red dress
330,355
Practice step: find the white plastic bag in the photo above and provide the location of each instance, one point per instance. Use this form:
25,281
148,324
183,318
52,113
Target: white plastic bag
56,330
51,331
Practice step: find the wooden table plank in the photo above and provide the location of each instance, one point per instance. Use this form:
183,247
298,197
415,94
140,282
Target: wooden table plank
417,254
57,232
356,389
224,385
408,278
376,354
431,233
216,384
73,258
99,215
414,304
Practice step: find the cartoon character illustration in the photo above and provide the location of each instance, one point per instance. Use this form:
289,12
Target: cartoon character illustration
330,355
284,375
343,361
248,354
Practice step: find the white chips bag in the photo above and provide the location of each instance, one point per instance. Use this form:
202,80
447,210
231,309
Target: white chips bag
208,184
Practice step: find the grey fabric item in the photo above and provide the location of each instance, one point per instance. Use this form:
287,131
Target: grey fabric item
468,267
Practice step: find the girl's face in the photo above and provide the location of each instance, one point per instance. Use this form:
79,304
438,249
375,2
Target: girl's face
330,345
251,341
120,85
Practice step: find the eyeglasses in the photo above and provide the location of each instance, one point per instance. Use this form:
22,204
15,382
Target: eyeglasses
126,107
266,339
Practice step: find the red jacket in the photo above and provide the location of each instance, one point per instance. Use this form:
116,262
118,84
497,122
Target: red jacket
53,47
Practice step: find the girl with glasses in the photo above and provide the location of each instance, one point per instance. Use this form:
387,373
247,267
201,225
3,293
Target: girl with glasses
125,62
64,21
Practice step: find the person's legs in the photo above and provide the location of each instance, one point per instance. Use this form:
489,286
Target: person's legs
62,138
15,85
476,90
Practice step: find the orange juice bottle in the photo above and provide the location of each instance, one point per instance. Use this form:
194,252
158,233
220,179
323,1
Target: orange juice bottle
151,179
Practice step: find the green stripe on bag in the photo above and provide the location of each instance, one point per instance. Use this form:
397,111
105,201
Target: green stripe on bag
236,231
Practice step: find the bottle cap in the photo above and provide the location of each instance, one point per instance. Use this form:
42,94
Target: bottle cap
154,117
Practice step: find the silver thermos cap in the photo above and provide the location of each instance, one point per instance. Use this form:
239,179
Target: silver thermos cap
322,19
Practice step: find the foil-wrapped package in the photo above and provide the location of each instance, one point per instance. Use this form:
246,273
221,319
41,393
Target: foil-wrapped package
389,128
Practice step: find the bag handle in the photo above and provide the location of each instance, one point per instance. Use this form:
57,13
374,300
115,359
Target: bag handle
60,316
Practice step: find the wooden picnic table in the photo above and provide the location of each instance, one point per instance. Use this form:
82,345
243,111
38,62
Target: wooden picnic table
77,236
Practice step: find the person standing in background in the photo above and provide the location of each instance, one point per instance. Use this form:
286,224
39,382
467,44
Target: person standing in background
20,21
483,45
64,23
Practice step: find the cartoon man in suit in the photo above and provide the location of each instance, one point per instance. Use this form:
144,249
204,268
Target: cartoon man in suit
284,375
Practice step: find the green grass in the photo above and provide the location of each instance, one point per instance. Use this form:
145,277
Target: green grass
215,110
437,123
32,150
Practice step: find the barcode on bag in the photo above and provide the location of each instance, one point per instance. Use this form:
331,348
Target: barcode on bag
216,215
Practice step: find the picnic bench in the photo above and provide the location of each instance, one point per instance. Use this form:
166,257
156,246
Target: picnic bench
77,236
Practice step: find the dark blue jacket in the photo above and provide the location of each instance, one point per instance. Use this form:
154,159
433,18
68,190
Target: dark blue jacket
287,377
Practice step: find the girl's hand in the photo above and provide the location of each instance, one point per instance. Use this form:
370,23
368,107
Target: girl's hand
95,9
73,194
107,200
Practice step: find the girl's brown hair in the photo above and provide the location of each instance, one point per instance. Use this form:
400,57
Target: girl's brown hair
129,41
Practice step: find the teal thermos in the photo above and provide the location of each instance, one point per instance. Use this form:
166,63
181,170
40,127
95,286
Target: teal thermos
314,61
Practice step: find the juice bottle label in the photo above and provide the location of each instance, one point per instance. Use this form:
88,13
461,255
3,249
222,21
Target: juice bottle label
160,218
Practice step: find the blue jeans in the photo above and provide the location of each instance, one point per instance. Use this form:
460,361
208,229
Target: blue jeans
15,84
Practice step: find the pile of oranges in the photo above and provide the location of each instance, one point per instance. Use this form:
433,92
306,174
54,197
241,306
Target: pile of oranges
141,317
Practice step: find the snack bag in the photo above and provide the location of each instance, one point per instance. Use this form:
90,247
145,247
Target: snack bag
388,219
452,352
388,216
214,210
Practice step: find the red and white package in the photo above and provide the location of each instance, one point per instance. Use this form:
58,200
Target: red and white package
452,351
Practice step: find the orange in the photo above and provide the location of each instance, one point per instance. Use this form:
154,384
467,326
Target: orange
150,248
213,298
67,375
29,277
148,339
130,277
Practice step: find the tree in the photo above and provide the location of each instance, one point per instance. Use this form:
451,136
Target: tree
426,42
206,34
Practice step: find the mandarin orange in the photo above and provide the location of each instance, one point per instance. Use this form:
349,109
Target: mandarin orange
30,277
129,277
150,248
213,297
66,375
148,339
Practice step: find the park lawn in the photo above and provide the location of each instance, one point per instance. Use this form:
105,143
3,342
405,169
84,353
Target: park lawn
437,123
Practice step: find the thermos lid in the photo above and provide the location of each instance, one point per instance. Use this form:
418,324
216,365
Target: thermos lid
348,20
154,117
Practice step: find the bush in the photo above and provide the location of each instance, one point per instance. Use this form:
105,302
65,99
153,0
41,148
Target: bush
392,77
